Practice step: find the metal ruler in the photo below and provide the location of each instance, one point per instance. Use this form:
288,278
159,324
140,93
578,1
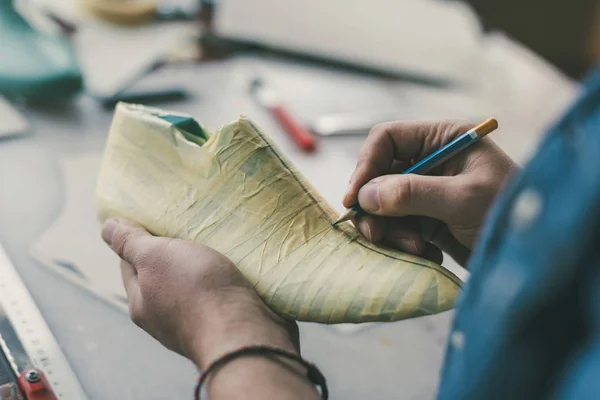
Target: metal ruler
25,338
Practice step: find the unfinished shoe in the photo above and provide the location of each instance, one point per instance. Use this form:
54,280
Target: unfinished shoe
235,192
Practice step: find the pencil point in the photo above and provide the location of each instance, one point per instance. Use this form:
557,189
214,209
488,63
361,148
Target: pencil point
347,216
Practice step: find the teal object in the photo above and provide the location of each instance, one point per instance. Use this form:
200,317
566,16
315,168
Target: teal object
35,65
189,127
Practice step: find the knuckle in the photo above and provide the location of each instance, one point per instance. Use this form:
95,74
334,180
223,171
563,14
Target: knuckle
383,131
136,314
444,130
376,134
133,247
378,148
478,188
476,196
438,133
120,239
380,129
456,127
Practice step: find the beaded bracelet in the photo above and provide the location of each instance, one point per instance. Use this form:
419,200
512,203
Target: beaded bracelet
313,374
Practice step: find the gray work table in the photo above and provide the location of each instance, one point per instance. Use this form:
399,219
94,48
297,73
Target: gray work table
112,358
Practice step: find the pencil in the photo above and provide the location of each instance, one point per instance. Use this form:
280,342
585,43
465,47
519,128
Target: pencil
436,158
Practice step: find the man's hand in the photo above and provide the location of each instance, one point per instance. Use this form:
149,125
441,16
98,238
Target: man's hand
425,214
191,298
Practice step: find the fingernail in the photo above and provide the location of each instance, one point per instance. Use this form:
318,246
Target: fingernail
368,197
351,179
410,245
364,228
347,191
108,229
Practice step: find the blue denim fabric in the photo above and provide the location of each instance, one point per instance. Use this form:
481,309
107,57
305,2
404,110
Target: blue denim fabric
528,321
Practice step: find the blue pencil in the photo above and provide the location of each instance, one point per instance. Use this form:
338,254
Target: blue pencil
436,158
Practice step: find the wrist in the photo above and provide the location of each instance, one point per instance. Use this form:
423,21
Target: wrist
233,321
261,372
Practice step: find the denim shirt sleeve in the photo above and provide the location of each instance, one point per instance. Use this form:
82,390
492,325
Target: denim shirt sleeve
528,321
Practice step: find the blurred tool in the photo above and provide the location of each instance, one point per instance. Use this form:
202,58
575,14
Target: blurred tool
143,89
67,27
207,14
141,11
114,56
348,124
29,354
12,123
144,97
34,64
137,91
436,158
132,94
268,99
384,37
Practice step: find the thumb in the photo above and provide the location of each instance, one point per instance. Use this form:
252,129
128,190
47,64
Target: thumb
130,241
405,195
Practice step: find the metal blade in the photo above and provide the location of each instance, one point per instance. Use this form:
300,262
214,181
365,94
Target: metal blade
27,338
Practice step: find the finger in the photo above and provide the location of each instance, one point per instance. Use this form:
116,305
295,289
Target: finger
444,240
412,195
402,140
402,234
371,227
433,253
128,240
132,288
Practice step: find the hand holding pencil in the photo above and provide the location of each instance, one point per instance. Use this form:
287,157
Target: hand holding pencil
438,157
427,214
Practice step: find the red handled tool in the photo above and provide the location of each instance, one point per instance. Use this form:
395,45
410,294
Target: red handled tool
35,386
267,98
29,354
